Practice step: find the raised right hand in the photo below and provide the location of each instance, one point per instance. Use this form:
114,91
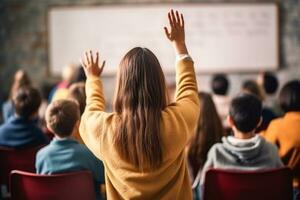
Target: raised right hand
176,34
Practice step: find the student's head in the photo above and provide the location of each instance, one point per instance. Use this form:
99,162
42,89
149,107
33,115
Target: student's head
252,87
289,97
77,93
245,113
21,79
220,84
209,131
69,73
26,101
269,82
62,117
139,99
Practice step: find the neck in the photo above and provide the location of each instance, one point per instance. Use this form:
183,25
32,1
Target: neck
61,138
241,135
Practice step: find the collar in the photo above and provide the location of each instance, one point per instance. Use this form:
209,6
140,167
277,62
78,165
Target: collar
63,141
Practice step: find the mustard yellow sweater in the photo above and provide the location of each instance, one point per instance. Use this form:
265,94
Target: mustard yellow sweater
125,181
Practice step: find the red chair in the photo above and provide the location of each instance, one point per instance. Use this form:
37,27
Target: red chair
11,159
240,185
29,186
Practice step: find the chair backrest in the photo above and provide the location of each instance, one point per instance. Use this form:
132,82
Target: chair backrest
16,159
275,184
29,186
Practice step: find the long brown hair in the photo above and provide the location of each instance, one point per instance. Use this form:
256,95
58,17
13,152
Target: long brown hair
139,99
209,131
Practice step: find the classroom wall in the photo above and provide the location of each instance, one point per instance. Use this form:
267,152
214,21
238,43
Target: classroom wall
23,40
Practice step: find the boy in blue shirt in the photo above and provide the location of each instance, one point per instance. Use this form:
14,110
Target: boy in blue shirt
21,130
65,154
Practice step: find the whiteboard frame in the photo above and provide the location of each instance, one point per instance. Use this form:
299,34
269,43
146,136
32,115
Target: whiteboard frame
166,71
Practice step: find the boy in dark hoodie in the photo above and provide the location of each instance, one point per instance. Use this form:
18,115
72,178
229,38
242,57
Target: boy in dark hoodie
245,150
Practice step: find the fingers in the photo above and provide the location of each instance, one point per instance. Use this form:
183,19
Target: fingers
171,22
102,67
83,64
91,57
87,58
175,19
167,32
182,20
97,58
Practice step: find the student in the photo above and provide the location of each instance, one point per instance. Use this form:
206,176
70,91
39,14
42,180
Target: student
251,87
269,83
77,93
285,131
64,154
220,85
245,150
21,130
208,132
142,142
60,91
21,79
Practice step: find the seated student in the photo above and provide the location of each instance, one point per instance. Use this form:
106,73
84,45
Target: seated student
21,79
220,85
77,93
209,131
245,150
269,83
64,154
285,131
21,129
252,87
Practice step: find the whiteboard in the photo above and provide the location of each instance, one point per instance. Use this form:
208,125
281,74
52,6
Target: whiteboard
234,37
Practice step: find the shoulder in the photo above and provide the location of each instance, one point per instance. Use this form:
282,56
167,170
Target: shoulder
6,127
215,149
276,122
44,152
269,147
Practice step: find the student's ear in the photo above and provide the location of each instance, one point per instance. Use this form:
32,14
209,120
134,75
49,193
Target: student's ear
260,122
230,121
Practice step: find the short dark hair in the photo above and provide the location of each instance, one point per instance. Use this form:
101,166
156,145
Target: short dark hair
220,84
289,97
61,117
26,101
245,112
270,83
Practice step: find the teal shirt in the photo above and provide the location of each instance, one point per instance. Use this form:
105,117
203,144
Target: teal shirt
67,155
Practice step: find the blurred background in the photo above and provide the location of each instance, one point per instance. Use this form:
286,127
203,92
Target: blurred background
24,41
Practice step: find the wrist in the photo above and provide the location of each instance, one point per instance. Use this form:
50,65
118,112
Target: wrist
180,48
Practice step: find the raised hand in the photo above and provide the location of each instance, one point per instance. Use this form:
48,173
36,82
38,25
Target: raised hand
91,67
176,34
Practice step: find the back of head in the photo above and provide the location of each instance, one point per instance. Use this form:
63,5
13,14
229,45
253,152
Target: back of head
220,84
289,97
21,79
26,101
209,131
269,83
251,87
69,73
77,93
140,97
62,116
245,112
